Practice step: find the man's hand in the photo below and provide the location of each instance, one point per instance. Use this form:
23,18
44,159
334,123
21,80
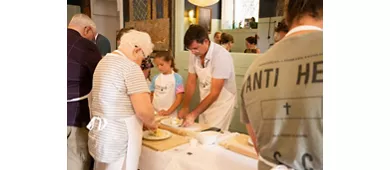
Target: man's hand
189,120
163,113
183,113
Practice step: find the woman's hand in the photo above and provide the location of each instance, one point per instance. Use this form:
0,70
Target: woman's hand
153,126
163,113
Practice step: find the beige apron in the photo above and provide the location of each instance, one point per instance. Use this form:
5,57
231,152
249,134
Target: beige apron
220,113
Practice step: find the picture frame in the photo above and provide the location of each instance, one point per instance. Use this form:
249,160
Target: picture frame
203,17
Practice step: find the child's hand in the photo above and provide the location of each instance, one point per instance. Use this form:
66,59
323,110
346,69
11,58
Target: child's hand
163,113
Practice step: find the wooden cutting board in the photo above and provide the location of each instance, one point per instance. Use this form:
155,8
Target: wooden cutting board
166,144
239,144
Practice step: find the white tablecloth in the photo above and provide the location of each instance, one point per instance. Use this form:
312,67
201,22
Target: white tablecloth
195,157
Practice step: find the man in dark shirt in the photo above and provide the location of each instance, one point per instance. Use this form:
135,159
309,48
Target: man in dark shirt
83,56
103,44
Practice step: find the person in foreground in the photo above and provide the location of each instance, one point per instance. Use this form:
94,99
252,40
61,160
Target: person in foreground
213,66
167,87
83,56
282,94
120,105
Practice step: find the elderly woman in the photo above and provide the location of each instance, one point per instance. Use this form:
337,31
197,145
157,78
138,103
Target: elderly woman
227,41
146,64
120,105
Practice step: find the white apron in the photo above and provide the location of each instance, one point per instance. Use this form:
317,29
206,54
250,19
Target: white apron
294,30
164,94
134,144
220,113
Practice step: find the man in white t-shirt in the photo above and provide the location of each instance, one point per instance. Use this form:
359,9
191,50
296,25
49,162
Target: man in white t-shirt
212,65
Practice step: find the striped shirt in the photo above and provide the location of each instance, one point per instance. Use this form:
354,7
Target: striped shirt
115,78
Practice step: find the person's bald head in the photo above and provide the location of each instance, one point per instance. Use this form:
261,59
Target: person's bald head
84,25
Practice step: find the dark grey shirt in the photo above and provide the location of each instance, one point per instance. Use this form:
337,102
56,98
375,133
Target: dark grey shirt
103,44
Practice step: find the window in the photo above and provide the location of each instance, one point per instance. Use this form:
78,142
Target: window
140,10
238,12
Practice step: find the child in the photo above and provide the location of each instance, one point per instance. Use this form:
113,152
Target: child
167,87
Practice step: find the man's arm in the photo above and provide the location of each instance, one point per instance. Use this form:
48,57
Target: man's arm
188,93
216,88
189,89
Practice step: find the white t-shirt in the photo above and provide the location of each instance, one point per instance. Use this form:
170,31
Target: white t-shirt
222,65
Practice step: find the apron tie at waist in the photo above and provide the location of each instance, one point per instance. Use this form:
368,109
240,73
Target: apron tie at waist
102,123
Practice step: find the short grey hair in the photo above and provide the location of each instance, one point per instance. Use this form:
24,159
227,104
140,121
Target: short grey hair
137,38
82,20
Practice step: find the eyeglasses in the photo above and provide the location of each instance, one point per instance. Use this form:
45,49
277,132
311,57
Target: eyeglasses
193,50
143,54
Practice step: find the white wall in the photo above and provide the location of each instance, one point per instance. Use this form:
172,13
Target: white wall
263,27
104,13
71,10
215,26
